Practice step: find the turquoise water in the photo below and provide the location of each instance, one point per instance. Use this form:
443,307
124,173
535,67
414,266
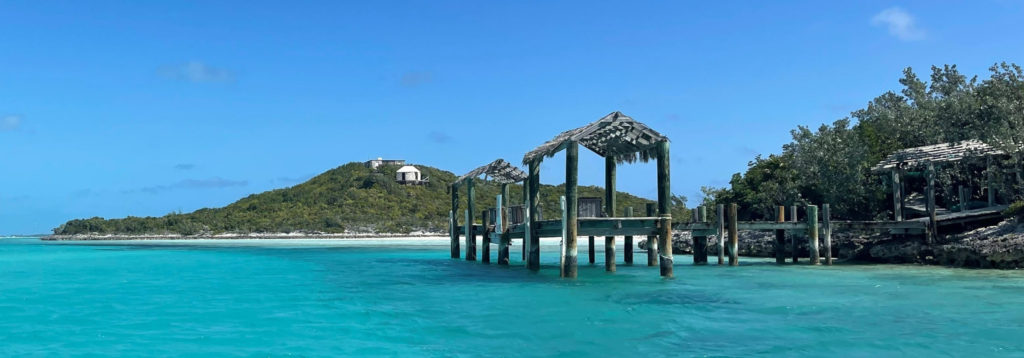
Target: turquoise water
405,298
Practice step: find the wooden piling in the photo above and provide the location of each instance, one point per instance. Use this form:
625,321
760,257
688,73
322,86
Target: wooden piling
485,251
533,256
664,215
734,239
721,233
627,244
962,197
990,181
826,216
571,203
933,227
700,242
793,237
780,237
456,250
897,196
652,240
609,203
812,234
526,216
470,234
502,227
590,249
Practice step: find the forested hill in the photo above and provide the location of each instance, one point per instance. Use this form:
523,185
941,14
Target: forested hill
350,198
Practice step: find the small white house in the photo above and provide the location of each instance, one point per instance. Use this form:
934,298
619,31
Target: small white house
409,175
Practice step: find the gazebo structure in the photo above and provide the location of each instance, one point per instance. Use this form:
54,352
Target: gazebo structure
897,164
501,172
619,139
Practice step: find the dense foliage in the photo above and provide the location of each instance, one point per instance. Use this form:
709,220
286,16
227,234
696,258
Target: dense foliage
350,198
832,163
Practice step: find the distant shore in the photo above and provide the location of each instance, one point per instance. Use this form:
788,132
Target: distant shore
241,236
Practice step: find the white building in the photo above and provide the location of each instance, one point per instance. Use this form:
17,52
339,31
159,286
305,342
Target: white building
409,175
374,163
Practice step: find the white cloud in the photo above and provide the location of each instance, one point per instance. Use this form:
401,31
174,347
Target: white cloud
197,72
900,24
10,123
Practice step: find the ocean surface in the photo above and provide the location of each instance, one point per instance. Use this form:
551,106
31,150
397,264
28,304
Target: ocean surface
407,298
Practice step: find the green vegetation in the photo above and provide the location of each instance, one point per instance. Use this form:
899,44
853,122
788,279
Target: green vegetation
832,164
348,198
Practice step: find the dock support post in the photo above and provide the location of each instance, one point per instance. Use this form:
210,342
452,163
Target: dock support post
571,207
720,219
933,227
812,234
734,239
961,193
456,250
793,236
627,245
652,241
590,249
470,234
826,216
664,214
533,256
700,247
501,225
526,218
485,251
897,195
990,182
609,210
780,238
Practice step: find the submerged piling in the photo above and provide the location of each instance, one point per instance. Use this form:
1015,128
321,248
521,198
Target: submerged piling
652,241
734,255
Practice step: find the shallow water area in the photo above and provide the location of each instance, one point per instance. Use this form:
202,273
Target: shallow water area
405,297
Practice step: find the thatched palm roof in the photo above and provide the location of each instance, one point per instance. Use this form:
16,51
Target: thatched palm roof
499,170
615,135
938,153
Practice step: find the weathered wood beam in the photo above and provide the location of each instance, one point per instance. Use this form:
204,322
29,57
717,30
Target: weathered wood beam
456,250
502,227
470,235
485,251
990,181
897,196
627,244
609,209
933,226
734,255
652,241
664,198
533,256
700,243
827,221
571,203
590,249
780,237
794,242
812,234
720,220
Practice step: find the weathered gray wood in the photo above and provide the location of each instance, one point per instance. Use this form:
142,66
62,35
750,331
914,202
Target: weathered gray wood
780,237
485,251
812,234
794,240
827,220
652,241
721,233
470,235
990,182
734,257
962,197
664,197
933,227
590,248
456,250
505,241
533,256
700,244
627,244
526,216
571,202
897,196
609,202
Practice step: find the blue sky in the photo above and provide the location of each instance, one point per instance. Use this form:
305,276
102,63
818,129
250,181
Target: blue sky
144,108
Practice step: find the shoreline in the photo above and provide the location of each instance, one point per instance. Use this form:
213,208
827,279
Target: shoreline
237,236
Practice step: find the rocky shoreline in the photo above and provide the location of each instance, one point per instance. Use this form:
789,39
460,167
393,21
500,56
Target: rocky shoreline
1000,247
241,236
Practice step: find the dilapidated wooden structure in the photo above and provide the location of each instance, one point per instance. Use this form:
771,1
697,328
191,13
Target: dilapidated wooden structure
502,172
